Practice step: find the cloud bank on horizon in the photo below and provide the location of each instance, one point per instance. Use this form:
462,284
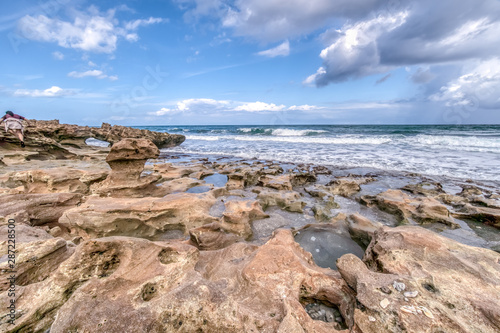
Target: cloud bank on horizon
235,61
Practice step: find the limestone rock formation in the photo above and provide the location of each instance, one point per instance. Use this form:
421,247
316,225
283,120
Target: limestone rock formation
362,229
417,281
123,283
239,214
287,200
282,182
127,159
419,209
52,140
53,180
37,209
346,187
139,217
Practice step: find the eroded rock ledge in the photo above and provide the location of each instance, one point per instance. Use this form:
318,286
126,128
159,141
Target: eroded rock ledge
54,140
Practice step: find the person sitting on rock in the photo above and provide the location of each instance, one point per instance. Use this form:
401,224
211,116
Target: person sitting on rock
14,125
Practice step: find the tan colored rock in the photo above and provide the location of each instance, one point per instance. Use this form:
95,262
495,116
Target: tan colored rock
457,285
362,229
171,172
344,186
487,215
142,217
36,209
239,214
23,234
35,261
178,185
421,209
128,284
302,178
235,181
280,183
425,188
287,200
212,237
127,158
53,180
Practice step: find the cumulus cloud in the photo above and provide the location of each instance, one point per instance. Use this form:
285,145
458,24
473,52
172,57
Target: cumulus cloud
281,50
274,20
164,111
191,103
354,53
92,73
304,107
460,31
53,91
92,31
259,106
197,105
478,87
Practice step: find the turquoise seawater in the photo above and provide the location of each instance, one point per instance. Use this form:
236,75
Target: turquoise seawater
465,151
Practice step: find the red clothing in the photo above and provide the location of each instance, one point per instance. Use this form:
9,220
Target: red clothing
7,116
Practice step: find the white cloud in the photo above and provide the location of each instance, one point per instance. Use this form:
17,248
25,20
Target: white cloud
207,105
133,25
53,91
92,31
272,20
92,73
189,104
479,87
58,55
304,107
95,72
280,50
259,106
163,111
354,52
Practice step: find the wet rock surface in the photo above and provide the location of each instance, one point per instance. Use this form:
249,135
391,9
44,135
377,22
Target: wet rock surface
215,245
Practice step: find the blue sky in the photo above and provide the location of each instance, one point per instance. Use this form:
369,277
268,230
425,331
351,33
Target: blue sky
185,62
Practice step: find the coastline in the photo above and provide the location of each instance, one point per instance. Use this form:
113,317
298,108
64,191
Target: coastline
199,212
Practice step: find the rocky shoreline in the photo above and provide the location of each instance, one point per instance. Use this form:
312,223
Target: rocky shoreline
131,238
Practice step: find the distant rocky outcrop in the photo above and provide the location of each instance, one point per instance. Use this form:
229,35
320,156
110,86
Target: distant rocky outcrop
75,135
48,139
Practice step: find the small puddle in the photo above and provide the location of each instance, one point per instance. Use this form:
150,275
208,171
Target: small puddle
199,189
216,179
326,246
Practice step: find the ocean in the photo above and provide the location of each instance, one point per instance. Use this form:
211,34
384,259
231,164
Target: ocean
464,152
